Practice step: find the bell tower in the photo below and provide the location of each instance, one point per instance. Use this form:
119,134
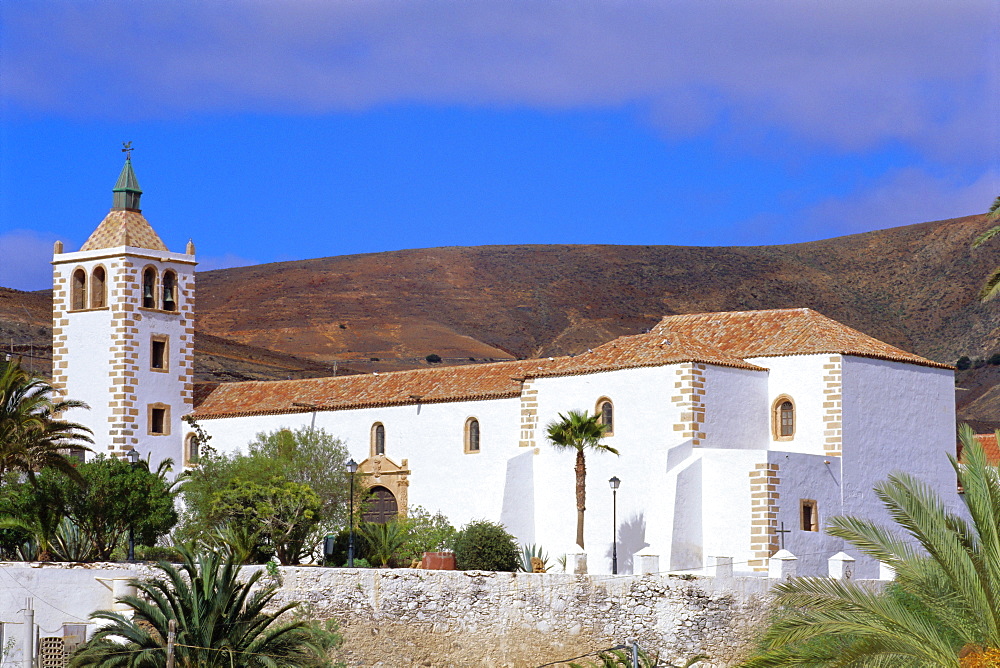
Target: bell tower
123,331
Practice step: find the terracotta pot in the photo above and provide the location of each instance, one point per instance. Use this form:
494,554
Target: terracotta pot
439,561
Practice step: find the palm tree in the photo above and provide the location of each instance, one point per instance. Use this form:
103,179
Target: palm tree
943,609
581,432
992,287
219,621
31,435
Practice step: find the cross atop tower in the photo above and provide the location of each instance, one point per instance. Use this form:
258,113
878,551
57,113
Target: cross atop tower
127,149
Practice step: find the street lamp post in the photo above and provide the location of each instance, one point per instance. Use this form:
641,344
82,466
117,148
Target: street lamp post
614,482
352,468
133,459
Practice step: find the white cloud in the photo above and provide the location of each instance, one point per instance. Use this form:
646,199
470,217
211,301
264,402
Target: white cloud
25,260
848,74
901,197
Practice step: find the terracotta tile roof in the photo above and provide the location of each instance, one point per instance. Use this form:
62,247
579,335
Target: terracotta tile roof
990,446
469,382
721,339
781,332
124,228
473,381
653,349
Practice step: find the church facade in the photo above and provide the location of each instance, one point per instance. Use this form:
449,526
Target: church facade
738,433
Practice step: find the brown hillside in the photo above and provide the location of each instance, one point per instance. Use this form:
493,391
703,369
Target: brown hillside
914,287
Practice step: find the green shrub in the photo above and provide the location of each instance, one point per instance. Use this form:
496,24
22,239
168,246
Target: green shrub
963,363
433,358
427,533
484,546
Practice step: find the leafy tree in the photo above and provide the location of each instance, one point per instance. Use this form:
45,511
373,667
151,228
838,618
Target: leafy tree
220,620
433,358
31,436
89,514
963,363
36,510
943,608
485,546
426,533
279,515
304,456
580,432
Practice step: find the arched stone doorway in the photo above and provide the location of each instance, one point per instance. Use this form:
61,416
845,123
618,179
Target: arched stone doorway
381,473
380,506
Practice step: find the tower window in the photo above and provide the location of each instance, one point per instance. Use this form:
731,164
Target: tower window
472,435
169,291
783,419
98,289
159,353
809,515
78,297
159,419
378,439
606,415
149,288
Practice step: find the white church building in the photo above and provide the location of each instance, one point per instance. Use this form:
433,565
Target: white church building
739,432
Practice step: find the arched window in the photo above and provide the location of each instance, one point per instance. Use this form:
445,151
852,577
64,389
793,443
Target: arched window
169,291
783,418
192,451
378,439
98,289
605,412
472,435
78,297
149,288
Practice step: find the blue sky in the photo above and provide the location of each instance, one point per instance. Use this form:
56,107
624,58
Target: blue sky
272,131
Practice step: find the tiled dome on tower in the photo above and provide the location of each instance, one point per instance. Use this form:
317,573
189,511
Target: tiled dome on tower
125,225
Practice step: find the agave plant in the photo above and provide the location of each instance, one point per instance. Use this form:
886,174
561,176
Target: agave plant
943,608
533,551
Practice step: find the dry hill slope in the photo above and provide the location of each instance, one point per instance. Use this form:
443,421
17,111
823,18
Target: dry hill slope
913,286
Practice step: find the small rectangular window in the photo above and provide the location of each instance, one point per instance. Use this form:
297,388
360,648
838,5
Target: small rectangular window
159,419
809,515
158,354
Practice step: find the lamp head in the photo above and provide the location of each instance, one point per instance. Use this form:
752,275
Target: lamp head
133,456
352,466
614,482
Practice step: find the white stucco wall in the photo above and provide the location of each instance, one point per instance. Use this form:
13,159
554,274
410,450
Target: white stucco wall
643,434
801,378
733,401
431,438
897,417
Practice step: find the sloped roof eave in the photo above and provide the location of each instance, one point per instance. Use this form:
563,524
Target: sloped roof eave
916,360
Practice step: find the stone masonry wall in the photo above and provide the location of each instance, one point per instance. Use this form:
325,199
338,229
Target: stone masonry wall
408,617
405,617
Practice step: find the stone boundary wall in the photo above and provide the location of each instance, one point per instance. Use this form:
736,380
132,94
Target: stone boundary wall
408,617
405,617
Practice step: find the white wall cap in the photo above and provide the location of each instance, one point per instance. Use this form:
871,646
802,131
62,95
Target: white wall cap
131,251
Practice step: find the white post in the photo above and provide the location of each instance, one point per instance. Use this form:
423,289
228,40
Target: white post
782,565
577,563
841,566
720,567
28,648
648,563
